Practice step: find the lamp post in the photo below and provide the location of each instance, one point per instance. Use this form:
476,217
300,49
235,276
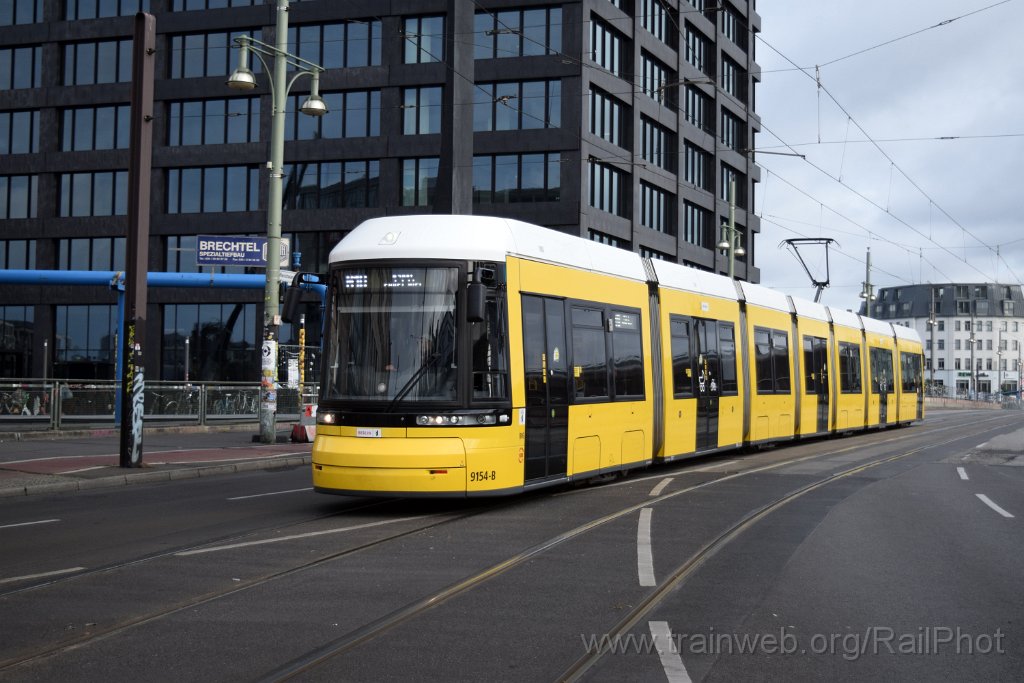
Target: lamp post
280,83
971,342
868,293
731,243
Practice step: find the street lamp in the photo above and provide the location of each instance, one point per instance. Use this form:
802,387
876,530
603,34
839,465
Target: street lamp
243,78
971,342
731,238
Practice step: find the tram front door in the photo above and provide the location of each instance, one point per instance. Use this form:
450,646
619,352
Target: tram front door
547,388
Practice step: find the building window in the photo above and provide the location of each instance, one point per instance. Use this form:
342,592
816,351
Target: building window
656,209
646,252
16,12
91,9
18,196
17,332
606,47
1007,308
610,240
942,344
607,118
88,128
205,54
956,363
213,122
733,79
517,106
657,144
696,222
419,181
20,67
190,5
732,26
222,342
942,326
353,114
85,341
658,21
513,178
332,185
517,33
105,61
17,254
695,170
657,80
697,51
96,253
424,40
698,108
19,132
94,193
422,110
731,176
213,189
347,44
732,131
607,188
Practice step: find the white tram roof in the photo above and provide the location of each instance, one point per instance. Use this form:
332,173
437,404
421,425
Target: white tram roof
845,318
764,297
480,238
907,333
810,309
877,326
675,276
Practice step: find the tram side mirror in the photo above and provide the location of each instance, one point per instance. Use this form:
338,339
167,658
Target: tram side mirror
476,302
292,298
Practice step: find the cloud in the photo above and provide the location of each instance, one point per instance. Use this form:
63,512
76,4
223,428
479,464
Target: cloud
963,79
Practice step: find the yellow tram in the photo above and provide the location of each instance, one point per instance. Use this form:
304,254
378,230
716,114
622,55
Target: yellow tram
468,356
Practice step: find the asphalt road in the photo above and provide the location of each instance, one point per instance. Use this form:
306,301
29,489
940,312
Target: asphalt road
893,554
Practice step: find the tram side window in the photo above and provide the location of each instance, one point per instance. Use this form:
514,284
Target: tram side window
589,357
911,371
849,368
771,349
489,348
627,355
882,379
727,349
810,381
682,371
763,355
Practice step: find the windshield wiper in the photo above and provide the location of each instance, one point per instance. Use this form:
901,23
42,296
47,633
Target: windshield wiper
412,381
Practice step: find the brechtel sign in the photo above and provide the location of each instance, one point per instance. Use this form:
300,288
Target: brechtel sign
227,250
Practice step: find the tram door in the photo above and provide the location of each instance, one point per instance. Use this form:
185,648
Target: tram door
818,358
708,381
547,388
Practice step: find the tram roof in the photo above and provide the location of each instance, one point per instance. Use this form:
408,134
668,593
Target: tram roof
480,238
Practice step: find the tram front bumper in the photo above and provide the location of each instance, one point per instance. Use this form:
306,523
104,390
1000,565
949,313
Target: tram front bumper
343,464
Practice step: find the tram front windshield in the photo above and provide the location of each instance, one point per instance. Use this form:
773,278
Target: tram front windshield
393,335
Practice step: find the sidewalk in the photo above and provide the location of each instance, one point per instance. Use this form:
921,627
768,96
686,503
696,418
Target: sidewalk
80,460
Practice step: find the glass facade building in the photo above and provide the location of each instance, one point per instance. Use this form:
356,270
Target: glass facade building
619,121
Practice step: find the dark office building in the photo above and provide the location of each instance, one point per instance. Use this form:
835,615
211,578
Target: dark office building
622,121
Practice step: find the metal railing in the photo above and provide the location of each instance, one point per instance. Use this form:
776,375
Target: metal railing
63,404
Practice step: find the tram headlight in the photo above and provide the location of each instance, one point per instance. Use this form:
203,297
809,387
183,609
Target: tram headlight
456,420
326,417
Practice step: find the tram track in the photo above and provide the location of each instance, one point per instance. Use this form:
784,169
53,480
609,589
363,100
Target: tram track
382,625
378,627
211,596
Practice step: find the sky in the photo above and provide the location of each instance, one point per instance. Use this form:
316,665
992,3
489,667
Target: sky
930,210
